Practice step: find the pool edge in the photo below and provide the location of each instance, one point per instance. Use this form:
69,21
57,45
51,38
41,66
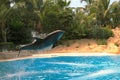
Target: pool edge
63,54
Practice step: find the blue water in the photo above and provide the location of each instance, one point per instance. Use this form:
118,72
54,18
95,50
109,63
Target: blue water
62,68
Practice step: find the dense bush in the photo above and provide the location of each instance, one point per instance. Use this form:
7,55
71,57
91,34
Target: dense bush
105,33
81,31
102,42
50,22
77,32
100,33
6,46
19,34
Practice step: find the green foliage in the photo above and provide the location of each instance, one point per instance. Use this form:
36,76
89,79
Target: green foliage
65,23
4,11
56,16
78,32
105,33
89,22
101,33
20,25
50,22
115,18
19,34
6,46
102,42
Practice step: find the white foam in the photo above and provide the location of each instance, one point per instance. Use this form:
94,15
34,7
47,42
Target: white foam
97,74
72,64
19,74
101,73
50,71
74,74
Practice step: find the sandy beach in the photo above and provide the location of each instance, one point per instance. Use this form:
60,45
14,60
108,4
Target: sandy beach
82,47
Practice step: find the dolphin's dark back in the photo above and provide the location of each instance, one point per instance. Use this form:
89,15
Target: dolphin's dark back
46,43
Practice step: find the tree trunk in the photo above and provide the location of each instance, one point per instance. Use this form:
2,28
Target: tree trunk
3,30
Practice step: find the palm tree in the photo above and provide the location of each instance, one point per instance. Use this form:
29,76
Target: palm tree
35,7
115,18
30,6
87,1
50,12
101,11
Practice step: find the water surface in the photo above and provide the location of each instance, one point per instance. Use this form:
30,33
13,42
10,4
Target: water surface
62,68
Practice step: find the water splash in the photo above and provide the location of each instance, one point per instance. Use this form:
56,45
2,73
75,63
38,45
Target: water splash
18,75
72,64
97,74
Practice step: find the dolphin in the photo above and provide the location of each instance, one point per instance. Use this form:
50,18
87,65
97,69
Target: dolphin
46,43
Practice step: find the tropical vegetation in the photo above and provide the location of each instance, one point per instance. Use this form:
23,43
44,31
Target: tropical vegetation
18,18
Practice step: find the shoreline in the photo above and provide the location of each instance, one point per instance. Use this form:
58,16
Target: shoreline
81,47
51,55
